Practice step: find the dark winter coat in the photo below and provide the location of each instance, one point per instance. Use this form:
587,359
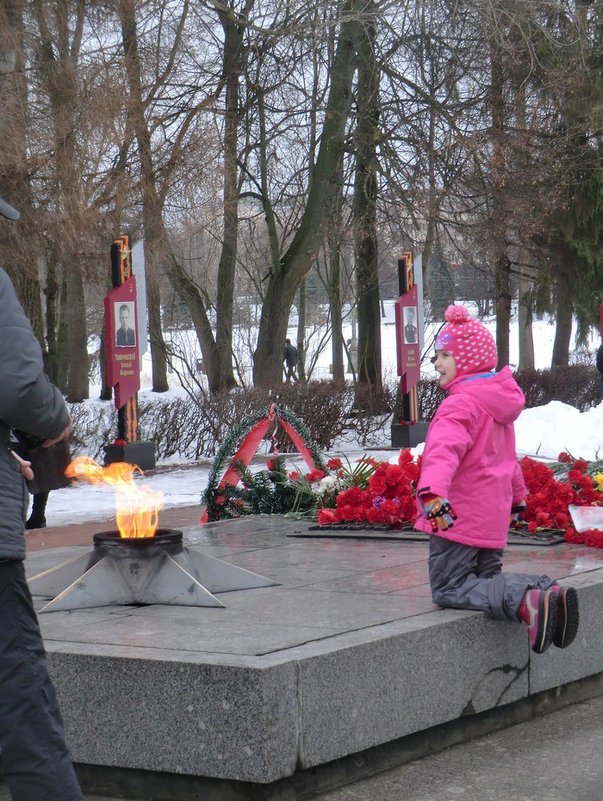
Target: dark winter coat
290,355
28,402
600,359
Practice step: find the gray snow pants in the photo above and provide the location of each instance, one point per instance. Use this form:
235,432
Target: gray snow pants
471,578
35,758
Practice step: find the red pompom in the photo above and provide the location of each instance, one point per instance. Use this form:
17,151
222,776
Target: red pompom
457,314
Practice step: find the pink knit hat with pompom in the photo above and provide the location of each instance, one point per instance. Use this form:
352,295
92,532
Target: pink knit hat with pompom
468,340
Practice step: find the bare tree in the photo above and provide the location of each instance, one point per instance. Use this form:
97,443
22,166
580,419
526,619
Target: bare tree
287,274
366,137
19,243
60,25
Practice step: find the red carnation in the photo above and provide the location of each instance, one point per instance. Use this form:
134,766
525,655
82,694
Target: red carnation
326,517
315,475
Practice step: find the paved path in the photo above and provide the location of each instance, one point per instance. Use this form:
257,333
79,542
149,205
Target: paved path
554,758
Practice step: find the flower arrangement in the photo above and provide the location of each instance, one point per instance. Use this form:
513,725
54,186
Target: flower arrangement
222,496
383,493
552,489
387,498
275,490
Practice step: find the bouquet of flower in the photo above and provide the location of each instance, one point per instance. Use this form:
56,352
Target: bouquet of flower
551,490
388,497
275,490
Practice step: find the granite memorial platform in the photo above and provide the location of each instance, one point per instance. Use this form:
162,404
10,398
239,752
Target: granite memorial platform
347,653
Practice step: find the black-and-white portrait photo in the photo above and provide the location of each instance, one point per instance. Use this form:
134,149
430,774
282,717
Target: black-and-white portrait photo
410,325
125,335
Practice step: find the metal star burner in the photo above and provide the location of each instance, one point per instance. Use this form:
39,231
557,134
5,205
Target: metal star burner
141,570
138,563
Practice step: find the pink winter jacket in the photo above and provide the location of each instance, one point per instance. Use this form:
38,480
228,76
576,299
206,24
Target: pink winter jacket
470,458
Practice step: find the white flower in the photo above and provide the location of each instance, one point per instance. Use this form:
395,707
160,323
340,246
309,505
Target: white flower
326,484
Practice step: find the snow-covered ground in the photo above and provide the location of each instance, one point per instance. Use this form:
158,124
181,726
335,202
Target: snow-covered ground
244,340
543,432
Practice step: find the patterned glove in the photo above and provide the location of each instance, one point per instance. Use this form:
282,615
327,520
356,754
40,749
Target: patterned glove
516,510
438,511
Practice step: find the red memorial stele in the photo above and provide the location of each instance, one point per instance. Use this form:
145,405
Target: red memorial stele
121,339
408,350
407,431
124,343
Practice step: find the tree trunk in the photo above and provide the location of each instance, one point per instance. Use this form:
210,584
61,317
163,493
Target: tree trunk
106,392
503,309
437,308
301,331
232,67
526,340
563,334
563,321
57,60
158,351
154,232
76,335
299,258
62,344
502,264
18,240
335,284
365,208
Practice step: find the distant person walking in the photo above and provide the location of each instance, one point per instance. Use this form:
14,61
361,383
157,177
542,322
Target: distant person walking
290,359
600,364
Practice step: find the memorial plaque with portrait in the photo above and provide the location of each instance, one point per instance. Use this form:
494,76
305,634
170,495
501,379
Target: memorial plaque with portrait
125,320
123,372
411,331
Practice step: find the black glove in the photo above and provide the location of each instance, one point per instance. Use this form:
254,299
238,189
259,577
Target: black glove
516,510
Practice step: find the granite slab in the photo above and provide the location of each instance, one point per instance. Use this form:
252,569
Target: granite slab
347,653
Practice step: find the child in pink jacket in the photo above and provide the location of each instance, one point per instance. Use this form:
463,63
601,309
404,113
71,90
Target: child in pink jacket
471,483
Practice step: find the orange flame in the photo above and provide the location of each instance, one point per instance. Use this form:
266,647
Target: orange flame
137,508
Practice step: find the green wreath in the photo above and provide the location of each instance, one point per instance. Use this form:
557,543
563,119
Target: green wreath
264,492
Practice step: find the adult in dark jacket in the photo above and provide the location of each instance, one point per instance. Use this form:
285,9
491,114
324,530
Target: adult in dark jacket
290,358
600,364
35,758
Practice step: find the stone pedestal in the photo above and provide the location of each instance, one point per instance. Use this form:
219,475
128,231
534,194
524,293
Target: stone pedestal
408,435
138,453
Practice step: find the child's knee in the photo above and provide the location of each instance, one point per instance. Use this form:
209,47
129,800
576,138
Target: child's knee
439,596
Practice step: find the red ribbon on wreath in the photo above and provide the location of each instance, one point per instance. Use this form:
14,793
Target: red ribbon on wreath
248,448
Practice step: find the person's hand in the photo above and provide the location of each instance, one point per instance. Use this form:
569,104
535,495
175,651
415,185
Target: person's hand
25,467
438,511
516,510
63,435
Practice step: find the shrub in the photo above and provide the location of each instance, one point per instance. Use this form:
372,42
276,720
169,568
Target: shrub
322,406
578,385
193,427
